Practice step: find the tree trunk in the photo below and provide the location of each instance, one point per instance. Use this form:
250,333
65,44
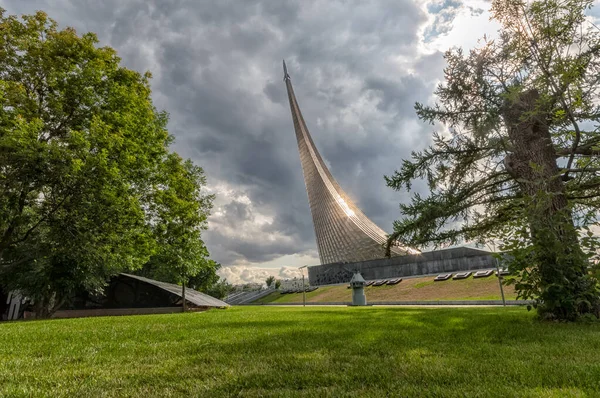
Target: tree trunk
45,307
562,264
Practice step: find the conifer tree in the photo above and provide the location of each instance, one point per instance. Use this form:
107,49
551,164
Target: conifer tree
519,162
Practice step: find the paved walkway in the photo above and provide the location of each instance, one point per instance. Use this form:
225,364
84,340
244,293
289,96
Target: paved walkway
434,304
393,305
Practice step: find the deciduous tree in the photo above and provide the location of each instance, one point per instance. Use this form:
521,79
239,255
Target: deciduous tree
178,210
270,280
84,165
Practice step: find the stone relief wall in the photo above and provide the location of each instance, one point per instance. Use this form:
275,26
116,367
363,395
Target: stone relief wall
435,262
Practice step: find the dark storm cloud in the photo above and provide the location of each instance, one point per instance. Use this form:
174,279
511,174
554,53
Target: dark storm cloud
396,96
217,71
249,250
237,212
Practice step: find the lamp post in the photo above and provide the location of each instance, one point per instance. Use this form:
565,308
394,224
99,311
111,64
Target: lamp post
500,282
498,272
303,289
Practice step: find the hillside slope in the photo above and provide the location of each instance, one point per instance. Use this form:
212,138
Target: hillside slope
412,289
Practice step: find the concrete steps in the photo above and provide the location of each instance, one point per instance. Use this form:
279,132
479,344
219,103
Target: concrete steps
247,297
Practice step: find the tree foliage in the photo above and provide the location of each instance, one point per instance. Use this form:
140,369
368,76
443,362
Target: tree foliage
88,186
519,161
178,211
219,289
270,281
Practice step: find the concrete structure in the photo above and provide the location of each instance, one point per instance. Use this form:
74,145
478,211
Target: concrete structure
127,295
428,263
193,297
343,232
135,295
238,298
357,283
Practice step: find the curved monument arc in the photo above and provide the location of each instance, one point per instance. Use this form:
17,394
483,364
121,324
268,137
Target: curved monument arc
344,233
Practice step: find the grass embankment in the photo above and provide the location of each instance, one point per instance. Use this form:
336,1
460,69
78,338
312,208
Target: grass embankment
411,289
316,352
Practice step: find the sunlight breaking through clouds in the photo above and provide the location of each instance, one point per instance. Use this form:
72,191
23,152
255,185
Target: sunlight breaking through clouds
216,67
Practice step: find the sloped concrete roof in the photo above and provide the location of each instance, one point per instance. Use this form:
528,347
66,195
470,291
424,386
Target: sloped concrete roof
191,295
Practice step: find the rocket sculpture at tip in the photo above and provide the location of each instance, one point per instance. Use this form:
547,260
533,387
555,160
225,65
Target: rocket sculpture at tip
344,234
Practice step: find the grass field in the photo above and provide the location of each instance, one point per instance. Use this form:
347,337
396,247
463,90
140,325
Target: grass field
312,352
410,289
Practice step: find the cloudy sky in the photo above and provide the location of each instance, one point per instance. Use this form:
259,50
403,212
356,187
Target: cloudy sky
357,69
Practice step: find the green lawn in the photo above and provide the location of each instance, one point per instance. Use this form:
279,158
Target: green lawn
316,352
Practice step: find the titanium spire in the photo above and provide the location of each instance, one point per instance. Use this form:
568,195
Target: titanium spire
343,231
